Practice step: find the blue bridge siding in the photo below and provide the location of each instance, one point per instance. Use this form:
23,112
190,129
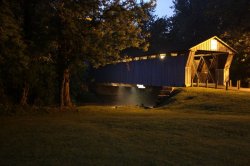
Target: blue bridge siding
152,72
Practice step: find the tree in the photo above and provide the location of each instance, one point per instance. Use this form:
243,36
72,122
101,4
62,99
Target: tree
13,59
26,68
192,23
234,28
160,35
93,31
41,38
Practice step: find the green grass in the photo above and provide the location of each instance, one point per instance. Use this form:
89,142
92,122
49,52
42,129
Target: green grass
211,101
198,127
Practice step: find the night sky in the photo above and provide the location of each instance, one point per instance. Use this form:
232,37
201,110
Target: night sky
163,8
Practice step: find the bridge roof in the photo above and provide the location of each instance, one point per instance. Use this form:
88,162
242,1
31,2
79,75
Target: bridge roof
213,44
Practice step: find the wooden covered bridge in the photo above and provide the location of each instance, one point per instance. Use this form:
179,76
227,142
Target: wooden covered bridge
209,61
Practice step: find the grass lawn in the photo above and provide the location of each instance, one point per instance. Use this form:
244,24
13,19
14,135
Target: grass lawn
198,127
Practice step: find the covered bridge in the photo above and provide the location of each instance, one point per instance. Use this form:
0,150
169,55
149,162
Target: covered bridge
209,61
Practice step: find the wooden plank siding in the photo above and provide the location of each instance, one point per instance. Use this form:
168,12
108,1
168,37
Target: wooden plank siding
207,46
153,72
224,57
208,61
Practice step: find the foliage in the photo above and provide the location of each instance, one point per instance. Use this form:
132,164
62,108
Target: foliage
160,35
13,59
42,40
24,63
96,31
235,29
93,31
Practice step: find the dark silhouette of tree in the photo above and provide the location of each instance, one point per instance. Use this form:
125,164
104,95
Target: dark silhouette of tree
93,31
160,35
13,59
45,40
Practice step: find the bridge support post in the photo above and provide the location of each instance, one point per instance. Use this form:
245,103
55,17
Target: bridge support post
216,84
227,85
198,82
238,84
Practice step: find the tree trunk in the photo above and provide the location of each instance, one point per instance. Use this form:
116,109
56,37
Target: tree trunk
25,93
65,90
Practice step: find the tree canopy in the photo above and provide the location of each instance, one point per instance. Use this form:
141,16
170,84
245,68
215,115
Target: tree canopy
60,34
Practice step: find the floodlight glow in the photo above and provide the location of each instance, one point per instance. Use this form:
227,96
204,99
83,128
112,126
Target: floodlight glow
162,56
140,86
114,84
88,19
174,54
214,44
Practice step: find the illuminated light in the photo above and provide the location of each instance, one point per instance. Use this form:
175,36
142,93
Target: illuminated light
152,57
214,44
118,84
174,54
136,58
129,59
144,58
114,84
88,19
140,86
162,56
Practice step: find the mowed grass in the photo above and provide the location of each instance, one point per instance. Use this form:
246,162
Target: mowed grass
198,127
216,101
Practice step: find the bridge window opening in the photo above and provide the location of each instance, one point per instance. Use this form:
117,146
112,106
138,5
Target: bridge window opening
214,44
